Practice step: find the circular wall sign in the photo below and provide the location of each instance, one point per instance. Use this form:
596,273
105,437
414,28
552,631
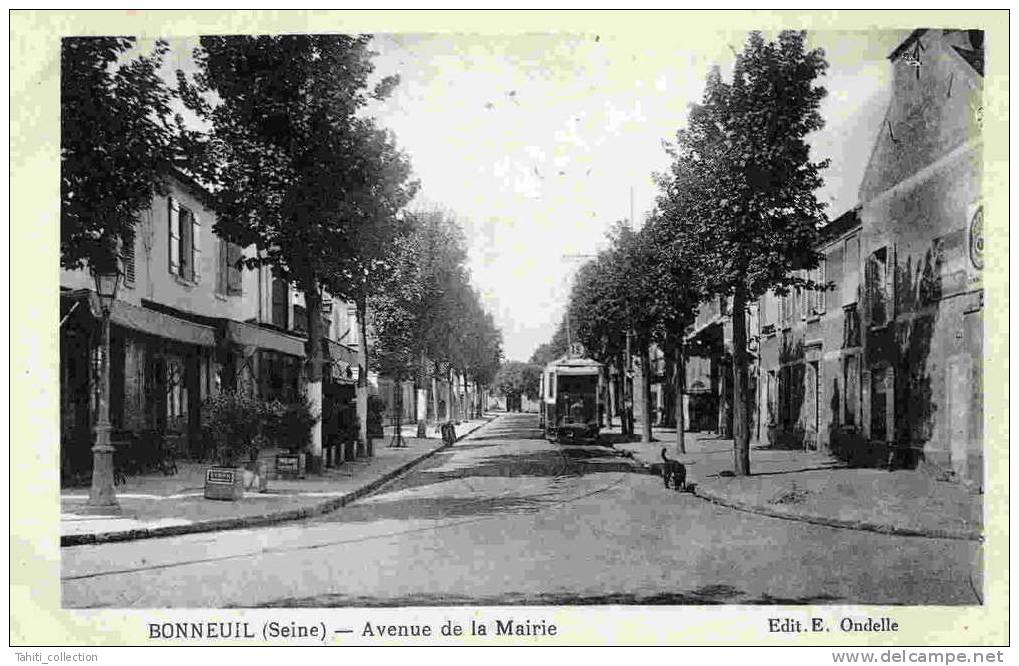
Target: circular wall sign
976,239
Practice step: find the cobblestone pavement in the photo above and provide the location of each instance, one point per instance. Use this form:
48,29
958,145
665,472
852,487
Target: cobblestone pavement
505,517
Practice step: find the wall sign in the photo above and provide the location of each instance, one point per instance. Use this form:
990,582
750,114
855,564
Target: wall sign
976,238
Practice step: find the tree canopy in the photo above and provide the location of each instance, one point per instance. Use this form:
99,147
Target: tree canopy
118,140
743,185
297,171
516,378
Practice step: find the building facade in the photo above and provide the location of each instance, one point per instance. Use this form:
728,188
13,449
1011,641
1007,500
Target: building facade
922,257
187,323
886,366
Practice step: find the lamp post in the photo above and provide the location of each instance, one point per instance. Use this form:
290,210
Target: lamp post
102,498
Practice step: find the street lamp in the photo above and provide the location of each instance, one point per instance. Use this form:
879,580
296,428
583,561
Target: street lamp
102,499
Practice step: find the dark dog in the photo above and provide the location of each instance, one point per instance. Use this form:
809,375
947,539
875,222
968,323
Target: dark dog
675,470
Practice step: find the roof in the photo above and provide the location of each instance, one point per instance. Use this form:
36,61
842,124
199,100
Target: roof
576,363
906,43
842,224
973,56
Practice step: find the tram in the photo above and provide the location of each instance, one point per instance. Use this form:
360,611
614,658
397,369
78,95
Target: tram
571,399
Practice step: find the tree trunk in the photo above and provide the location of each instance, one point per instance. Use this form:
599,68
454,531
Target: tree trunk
398,399
679,384
313,387
628,387
435,394
450,390
740,394
669,387
467,400
645,391
607,397
620,394
363,445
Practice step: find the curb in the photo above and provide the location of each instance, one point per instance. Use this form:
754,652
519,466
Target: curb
829,521
222,524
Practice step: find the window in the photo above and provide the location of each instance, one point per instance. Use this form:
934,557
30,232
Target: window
280,303
127,258
184,241
879,379
878,287
851,389
851,271
771,398
228,279
819,277
300,319
176,391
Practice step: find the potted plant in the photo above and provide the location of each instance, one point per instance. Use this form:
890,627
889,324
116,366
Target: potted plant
289,428
234,423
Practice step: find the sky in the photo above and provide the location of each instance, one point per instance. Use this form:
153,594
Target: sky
538,143
535,142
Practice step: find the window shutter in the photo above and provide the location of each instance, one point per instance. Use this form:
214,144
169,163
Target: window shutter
196,248
234,284
822,278
127,257
221,268
186,245
173,215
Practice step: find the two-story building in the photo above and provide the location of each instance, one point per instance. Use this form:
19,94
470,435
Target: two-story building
809,340
187,323
922,254
886,367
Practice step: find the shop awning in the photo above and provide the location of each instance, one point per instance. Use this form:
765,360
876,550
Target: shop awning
251,335
343,361
341,353
148,321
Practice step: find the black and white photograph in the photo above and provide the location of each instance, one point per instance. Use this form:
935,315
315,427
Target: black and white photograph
566,318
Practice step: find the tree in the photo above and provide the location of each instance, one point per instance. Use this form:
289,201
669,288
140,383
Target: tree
599,321
298,173
516,379
743,178
425,308
118,140
554,348
678,292
395,321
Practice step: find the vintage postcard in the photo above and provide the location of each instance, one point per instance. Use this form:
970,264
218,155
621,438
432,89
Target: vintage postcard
509,328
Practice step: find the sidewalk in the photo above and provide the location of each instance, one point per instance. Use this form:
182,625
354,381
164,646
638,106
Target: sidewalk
815,487
157,505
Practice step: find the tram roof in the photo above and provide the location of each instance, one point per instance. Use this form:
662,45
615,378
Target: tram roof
574,363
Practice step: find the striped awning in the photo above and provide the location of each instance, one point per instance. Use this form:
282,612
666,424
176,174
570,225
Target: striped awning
251,335
147,321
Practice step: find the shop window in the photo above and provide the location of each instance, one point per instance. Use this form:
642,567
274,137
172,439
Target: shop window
176,390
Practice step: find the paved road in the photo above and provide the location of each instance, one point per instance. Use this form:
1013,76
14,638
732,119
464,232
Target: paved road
505,517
